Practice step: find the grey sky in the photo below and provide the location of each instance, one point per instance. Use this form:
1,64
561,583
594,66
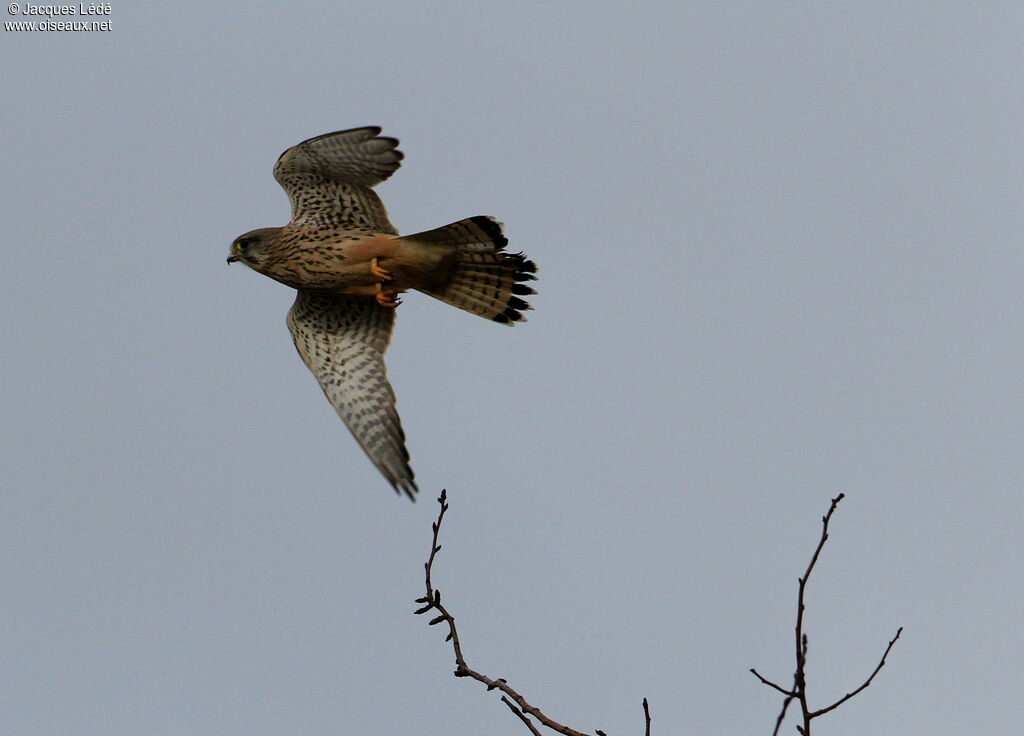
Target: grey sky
780,252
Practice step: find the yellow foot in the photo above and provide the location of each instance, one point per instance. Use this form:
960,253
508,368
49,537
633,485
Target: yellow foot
377,272
387,298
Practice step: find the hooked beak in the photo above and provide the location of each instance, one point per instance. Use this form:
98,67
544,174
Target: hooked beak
232,259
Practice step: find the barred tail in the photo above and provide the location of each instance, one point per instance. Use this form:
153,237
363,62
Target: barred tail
484,279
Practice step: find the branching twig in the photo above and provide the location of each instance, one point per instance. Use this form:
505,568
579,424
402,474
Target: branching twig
516,702
769,683
785,703
799,691
519,714
867,682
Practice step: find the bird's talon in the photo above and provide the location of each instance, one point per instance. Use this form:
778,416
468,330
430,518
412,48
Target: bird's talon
377,272
387,298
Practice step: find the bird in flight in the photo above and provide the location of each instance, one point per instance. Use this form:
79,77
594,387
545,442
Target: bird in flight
349,264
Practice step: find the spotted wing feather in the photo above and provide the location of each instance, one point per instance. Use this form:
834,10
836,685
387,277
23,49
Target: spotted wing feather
328,178
342,340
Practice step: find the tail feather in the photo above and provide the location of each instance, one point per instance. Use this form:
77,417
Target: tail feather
484,279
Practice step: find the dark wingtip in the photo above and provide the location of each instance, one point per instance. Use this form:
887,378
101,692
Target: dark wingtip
492,229
510,315
525,269
406,486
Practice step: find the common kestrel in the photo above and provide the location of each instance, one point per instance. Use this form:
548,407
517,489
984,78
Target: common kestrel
348,264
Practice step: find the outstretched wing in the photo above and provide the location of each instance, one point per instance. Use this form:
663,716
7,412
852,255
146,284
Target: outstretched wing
342,340
328,178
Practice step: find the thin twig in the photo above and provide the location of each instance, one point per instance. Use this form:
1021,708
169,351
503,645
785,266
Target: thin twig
867,682
799,691
769,683
647,719
782,715
522,716
800,687
432,601
785,706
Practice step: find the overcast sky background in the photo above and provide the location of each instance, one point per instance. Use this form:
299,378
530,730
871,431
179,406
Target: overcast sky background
781,255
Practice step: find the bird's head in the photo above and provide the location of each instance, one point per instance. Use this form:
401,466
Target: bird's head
252,247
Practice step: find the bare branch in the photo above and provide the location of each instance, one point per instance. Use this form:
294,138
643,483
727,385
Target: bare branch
801,638
799,691
520,715
432,601
785,705
782,716
769,683
867,682
647,719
